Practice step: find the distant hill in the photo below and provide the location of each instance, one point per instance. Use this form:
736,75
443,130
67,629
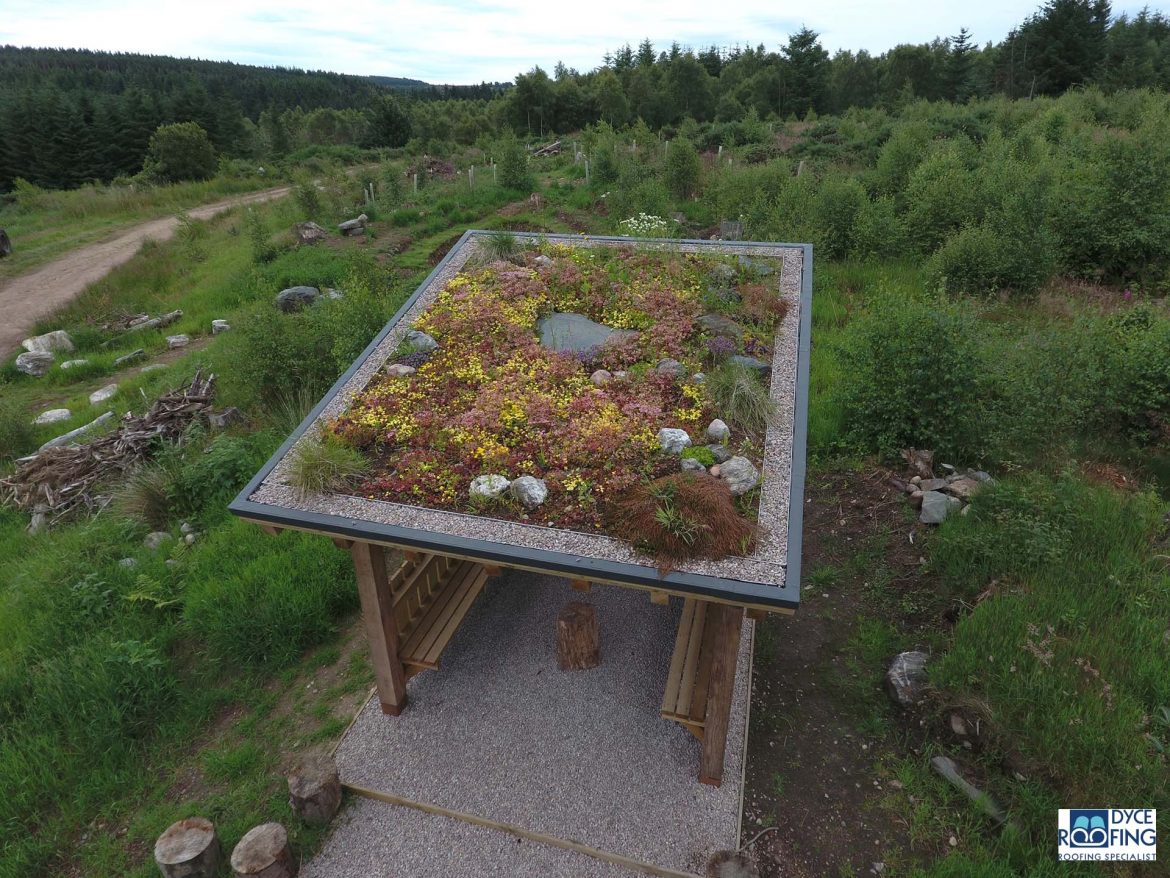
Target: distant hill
400,83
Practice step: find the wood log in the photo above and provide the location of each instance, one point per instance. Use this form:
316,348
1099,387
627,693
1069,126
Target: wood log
264,853
314,791
188,849
728,622
578,642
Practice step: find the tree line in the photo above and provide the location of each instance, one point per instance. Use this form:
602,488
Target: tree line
72,116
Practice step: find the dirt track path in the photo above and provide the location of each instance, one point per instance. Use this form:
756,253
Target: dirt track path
26,299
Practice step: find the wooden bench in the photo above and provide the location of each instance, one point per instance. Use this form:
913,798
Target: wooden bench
701,679
432,595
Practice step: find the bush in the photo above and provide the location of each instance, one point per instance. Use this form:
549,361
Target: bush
911,378
514,173
979,260
16,430
836,207
1138,379
181,151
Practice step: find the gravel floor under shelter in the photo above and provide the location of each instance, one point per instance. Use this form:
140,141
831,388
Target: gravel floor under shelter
501,733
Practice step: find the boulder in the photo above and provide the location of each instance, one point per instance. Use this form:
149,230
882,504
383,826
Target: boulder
689,464
936,506
400,370
102,394
672,440
416,340
218,326
34,363
52,416
488,487
571,333
739,473
964,488
931,484
717,431
73,364
156,539
601,377
717,324
309,233
906,678
296,298
54,342
721,453
529,490
671,367
178,341
758,366
129,358
355,226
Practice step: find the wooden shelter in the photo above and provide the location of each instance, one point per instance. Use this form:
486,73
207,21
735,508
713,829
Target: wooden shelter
419,571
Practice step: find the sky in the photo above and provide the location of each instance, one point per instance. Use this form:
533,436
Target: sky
448,41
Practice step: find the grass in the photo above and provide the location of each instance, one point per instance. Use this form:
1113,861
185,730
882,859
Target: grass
741,396
323,466
45,224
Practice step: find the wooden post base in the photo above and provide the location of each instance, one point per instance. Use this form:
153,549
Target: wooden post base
578,641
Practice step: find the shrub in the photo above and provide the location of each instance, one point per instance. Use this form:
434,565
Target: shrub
911,378
741,398
514,173
1138,380
324,466
500,245
835,210
701,453
686,515
978,259
16,429
878,231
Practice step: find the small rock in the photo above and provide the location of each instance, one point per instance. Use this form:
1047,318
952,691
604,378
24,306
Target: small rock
178,341
699,378
129,358
34,363
715,470
671,367
717,431
39,520
934,508
186,528
916,480
156,539
932,484
529,490
689,464
218,326
54,342
102,394
542,260
947,467
400,370
488,487
978,474
877,868
739,473
959,725
296,298
953,842
227,418
128,563
354,226
758,366
73,364
672,440
721,453
916,499
334,294
621,375
153,367
419,341
906,678
601,377
189,539
52,416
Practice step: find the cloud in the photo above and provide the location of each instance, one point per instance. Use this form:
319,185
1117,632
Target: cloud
459,41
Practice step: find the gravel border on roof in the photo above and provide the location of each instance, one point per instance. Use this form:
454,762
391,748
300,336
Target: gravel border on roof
766,564
501,733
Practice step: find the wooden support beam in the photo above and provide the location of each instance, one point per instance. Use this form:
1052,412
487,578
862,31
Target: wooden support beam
756,614
369,564
727,622
411,554
270,529
343,543
659,597
582,584
492,569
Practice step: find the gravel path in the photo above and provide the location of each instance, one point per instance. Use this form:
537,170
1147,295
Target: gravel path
26,299
499,732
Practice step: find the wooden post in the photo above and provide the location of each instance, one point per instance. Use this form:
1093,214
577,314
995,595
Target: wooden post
188,849
659,597
578,642
581,585
264,851
728,621
369,564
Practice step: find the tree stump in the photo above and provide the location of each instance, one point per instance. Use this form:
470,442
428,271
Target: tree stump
5,243
314,791
188,849
264,853
578,642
